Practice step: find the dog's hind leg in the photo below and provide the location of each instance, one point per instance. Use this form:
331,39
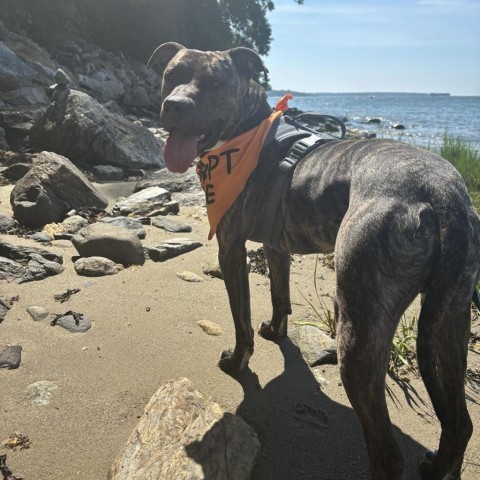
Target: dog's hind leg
383,256
364,338
442,346
443,334
279,265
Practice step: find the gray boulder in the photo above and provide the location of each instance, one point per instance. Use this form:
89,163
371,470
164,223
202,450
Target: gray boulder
27,264
73,322
103,83
74,223
96,267
142,202
107,173
136,96
171,225
132,224
4,308
116,243
11,357
16,80
17,124
171,248
52,188
16,171
173,182
6,223
34,56
316,347
77,126
184,436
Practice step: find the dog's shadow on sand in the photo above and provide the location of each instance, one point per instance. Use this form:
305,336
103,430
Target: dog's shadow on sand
303,433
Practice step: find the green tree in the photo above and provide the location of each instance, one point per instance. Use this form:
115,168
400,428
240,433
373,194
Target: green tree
248,22
137,27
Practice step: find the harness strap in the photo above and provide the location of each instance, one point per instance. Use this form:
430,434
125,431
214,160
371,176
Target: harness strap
270,225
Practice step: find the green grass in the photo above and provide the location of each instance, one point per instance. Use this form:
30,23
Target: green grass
326,317
403,348
466,159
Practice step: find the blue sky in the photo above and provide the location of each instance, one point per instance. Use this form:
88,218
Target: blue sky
376,46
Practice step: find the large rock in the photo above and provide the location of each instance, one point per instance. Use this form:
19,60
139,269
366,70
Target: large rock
52,188
108,173
26,264
316,347
104,83
77,126
11,357
34,56
171,181
104,240
183,436
132,224
17,124
96,267
185,186
142,202
6,222
16,80
4,308
171,248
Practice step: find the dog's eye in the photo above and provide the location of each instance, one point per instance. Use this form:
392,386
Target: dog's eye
178,74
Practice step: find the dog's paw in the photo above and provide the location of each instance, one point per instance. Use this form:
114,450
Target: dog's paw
427,467
232,362
266,331
430,470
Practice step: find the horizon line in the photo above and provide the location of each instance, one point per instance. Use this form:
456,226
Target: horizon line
306,93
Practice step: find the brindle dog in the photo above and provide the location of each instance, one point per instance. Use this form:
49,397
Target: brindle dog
398,218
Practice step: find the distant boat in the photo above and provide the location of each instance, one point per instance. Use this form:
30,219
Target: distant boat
440,94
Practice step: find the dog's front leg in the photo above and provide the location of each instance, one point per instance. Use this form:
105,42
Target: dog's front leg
279,265
232,257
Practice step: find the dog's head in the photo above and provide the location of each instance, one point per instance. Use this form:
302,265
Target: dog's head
204,96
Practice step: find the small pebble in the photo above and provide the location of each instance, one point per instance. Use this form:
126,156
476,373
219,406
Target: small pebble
41,391
210,328
189,276
82,324
37,313
10,357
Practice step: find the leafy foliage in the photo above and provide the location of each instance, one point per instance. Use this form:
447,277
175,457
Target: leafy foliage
137,27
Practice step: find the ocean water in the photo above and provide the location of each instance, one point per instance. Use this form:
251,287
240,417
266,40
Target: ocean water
426,118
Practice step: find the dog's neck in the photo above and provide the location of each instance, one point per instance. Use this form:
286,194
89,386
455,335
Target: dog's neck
255,108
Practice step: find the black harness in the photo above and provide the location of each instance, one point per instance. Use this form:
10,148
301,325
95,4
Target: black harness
288,131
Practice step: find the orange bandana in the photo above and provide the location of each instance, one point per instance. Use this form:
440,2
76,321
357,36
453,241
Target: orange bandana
224,171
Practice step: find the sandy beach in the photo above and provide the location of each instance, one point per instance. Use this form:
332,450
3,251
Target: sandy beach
145,333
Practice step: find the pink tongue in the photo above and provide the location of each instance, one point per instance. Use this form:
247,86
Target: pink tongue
179,151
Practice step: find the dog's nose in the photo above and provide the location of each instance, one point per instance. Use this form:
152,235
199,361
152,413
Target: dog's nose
177,105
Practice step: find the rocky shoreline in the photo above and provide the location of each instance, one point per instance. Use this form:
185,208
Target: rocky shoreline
109,289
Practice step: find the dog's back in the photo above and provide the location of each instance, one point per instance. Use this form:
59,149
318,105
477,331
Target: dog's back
404,225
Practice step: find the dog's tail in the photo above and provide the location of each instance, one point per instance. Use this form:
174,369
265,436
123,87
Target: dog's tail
445,315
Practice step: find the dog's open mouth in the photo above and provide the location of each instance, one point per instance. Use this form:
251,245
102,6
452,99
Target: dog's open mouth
182,148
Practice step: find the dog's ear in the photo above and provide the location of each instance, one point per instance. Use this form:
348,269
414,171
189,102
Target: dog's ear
247,61
163,54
